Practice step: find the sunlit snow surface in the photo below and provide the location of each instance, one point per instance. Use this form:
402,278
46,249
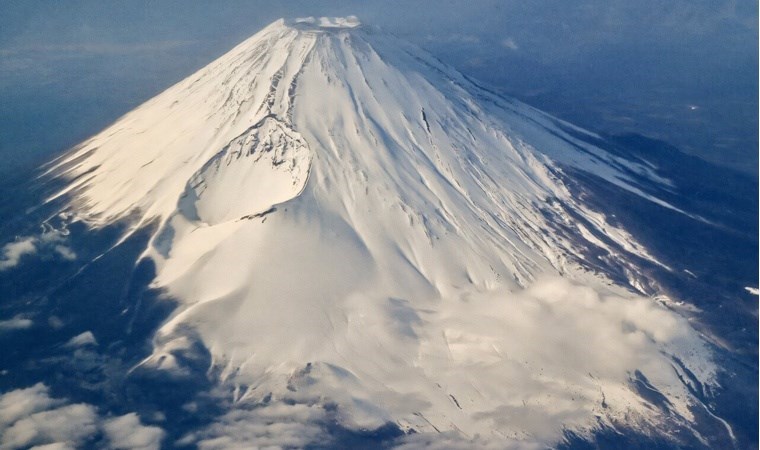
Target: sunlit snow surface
347,222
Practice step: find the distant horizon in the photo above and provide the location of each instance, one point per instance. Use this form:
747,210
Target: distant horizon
89,63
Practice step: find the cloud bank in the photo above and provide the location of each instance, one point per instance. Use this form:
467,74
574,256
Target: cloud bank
277,425
50,241
127,433
31,418
489,369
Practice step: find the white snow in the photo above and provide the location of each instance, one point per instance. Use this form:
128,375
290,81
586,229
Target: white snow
344,219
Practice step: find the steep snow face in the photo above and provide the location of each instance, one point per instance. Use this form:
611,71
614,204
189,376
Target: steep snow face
265,165
346,220
145,160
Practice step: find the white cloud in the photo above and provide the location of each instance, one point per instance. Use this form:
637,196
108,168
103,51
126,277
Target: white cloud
553,357
55,322
86,338
13,252
50,240
16,323
277,425
71,424
127,433
527,364
55,446
454,441
510,44
65,252
20,403
568,352
31,418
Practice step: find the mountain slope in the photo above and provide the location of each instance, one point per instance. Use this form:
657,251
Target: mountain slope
344,220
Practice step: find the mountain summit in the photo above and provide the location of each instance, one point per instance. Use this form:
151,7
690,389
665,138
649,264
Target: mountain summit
352,229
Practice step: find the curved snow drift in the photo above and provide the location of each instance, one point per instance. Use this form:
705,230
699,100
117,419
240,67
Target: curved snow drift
345,220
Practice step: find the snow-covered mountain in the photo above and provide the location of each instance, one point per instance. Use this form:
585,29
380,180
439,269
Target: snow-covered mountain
352,228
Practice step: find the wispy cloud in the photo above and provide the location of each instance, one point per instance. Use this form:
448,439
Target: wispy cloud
50,241
510,44
13,252
81,340
16,323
